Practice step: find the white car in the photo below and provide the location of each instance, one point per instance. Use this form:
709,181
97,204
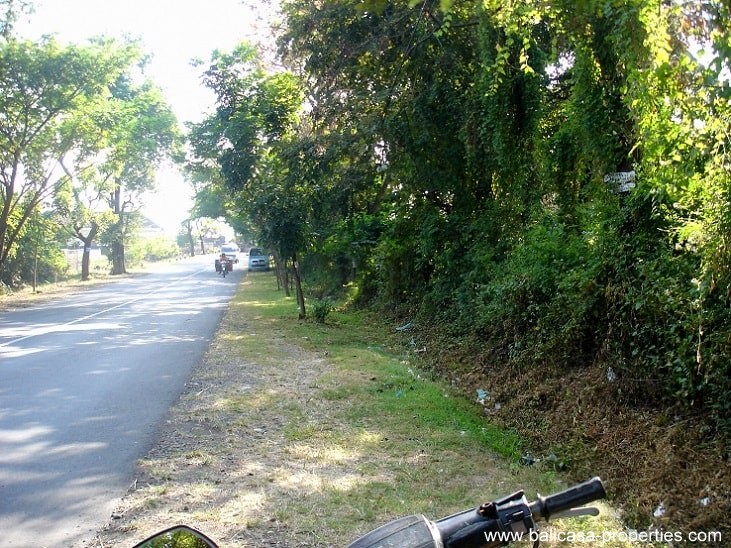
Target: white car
231,252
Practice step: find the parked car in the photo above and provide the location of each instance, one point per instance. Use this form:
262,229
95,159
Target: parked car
258,259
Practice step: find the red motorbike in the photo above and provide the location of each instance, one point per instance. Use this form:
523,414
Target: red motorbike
224,266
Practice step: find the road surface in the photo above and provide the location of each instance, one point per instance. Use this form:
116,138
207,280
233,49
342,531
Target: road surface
85,382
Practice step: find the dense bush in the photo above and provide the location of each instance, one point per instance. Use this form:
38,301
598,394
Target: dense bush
459,165
540,304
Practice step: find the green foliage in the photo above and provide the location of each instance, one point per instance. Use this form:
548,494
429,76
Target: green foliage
38,261
321,308
46,93
143,135
403,266
38,258
539,306
665,325
451,166
240,152
152,249
75,127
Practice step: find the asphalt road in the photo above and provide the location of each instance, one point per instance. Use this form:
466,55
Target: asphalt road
85,382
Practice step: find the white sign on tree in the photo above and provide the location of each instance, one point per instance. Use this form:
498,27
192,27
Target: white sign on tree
622,181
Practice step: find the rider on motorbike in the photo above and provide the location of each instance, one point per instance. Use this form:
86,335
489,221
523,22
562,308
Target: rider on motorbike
221,263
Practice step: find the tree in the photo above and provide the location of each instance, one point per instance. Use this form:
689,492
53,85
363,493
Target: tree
241,152
41,87
80,197
211,197
468,143
142,132
77,204
389,84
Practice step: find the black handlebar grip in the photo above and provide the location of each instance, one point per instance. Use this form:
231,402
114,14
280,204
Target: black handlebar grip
572,497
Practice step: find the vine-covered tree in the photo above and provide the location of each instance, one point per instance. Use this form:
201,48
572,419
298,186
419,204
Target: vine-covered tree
470,149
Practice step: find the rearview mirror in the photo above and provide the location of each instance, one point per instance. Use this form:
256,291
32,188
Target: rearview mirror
180,536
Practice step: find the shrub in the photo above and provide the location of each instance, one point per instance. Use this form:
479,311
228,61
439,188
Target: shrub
539,304
321,308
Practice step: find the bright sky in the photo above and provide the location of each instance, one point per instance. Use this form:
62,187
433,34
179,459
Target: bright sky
173,32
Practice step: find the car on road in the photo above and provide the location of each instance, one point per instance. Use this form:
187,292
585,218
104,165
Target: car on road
231,251
258,259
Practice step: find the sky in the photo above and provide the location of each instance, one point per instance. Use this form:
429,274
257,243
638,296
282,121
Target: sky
173,32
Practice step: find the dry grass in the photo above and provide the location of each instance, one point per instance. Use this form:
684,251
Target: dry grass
296,434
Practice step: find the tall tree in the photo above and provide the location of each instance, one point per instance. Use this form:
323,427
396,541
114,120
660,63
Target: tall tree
80,204
41,86
388,83
248,139
142,133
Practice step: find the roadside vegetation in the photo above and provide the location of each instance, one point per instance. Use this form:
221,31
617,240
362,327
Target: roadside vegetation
541,189
297,433
82,132
538,193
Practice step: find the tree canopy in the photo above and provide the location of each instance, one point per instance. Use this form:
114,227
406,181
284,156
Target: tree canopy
547,182
44,88
78,123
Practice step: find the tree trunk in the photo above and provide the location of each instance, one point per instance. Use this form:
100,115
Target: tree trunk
86,255
85,261
280,268
298,288
277,270
118,243
118,258
285,279
191,240
35,267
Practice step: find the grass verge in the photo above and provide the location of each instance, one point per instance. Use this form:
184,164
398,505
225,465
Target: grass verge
296,433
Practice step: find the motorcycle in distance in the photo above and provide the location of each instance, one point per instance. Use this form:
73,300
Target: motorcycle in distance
223,265
495,523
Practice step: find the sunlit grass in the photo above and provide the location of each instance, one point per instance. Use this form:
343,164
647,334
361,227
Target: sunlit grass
400,443
199,458
312,434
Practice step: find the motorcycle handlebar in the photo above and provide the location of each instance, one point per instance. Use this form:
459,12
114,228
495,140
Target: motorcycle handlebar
468,529
573,497
511,514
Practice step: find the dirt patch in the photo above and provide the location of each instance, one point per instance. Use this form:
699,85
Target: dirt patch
664,471
222,450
